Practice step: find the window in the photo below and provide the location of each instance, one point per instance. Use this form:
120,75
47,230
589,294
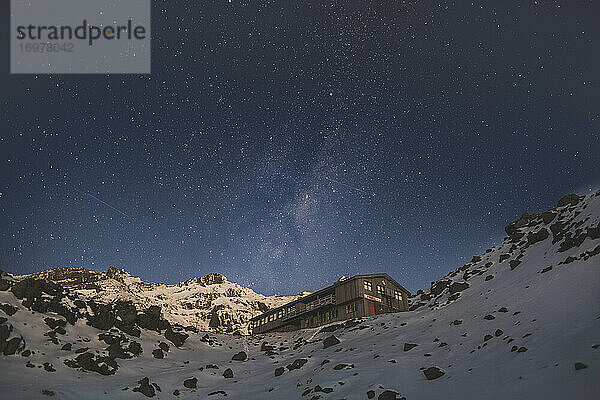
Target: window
380,289
368,286
351,308
397,295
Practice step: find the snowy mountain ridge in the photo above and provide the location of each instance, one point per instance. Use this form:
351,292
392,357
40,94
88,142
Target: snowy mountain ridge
520,321
208,303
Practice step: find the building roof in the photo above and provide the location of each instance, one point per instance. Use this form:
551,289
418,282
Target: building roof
340,282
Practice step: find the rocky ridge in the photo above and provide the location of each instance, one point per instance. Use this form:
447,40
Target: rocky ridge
209,303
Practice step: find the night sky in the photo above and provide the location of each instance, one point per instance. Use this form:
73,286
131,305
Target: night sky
284,144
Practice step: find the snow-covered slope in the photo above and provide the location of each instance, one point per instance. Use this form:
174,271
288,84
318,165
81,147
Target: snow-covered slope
521,321
209,303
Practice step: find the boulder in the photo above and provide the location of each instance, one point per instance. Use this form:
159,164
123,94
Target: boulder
177,338
241,356
145,388
330,341
389,395
433,373
158,353
228,373
408,346
456,287
190,383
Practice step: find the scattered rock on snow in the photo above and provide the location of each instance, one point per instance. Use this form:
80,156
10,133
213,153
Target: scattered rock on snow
241,356
145,388
330,341
408,346
579,365
190,383
433,373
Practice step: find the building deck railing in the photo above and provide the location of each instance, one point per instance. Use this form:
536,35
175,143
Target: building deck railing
301,308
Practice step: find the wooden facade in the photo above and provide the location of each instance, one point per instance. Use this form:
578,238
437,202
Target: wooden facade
358,296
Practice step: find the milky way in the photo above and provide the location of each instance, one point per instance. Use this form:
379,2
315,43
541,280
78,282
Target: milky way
286,144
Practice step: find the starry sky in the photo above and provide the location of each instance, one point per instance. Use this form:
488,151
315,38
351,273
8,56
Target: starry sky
285,144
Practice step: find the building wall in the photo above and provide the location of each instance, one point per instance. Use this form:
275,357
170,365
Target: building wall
350,302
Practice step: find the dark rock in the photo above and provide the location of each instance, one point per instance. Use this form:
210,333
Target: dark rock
388,395
370,394
89,362
48,367
49,393
150,319
498,332
487,337
266,347
135,348
456,287
13,345
163,346
177,338
438,287
145,388
8,309
218,392
191,383
279,371
408,346
228,373
504,257
66,347
433,373
456,322
569,199
522,350
103,317
176,392
579,365
548,216
158,353
514,263
503,309
489,277
341,366
26,353
299,363
241,356
538,236
489,317
330,341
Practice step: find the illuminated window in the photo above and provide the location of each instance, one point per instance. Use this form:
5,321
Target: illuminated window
351,308
368,286
397,295
380,289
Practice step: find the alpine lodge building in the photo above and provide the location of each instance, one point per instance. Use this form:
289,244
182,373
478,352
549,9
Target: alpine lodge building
358,296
